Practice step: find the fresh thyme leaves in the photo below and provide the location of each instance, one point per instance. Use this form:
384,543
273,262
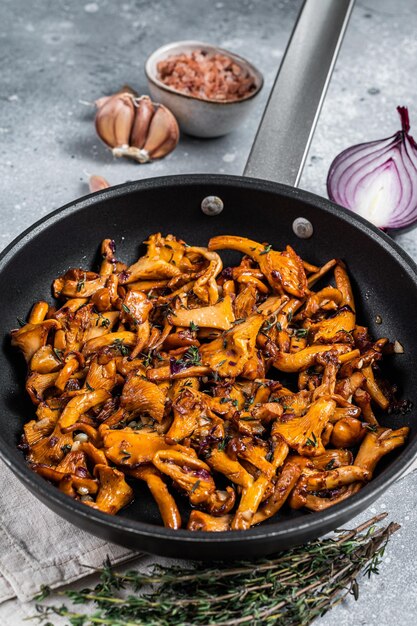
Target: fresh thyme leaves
222,444
248,402
127,310
102,320
292,588
193,356
371,427
166,309
147,358
189,358
195,486
58,353
312,441
234,402
193,327
270,323
118,343
20,322
89,387
126,455
301,332
266,249
43,593
330,465
81,284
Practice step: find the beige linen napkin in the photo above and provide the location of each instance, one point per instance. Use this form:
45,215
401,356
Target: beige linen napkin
39,547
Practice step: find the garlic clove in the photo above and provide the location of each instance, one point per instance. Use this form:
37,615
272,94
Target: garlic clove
125,89
130,90
114,119
123,119
102,101
138,154
165,148
143,117
163,134
96,183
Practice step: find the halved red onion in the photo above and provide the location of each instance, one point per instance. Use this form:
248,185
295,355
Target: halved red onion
378,180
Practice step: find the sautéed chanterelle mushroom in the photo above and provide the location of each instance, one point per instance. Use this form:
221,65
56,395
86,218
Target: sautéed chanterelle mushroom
168,371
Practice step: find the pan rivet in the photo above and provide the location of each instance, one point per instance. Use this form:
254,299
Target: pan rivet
302,228
212,205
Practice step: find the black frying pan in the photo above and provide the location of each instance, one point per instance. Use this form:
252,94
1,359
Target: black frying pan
384,280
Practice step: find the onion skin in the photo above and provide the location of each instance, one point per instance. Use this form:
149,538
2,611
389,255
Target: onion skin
378,180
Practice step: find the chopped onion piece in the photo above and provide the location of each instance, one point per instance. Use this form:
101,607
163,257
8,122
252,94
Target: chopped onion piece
81,437
378,180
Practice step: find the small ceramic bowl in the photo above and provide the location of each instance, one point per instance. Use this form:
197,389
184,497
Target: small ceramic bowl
199,116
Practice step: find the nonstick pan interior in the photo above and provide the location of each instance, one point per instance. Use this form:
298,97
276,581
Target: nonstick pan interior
384,281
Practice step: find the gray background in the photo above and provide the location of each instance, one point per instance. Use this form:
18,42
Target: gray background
57,56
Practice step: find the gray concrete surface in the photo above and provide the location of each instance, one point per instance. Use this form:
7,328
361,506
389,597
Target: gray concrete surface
58,55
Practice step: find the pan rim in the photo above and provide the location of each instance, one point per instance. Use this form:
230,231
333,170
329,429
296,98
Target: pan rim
290,528
197,179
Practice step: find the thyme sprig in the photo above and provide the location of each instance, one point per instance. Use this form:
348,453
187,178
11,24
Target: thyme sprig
190,357
119,345
290,589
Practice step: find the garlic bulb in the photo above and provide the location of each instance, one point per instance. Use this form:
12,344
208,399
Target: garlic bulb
136,127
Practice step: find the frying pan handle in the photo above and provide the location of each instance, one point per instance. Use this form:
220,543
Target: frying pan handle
287,126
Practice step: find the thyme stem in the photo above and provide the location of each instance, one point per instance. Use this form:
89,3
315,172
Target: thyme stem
290,589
